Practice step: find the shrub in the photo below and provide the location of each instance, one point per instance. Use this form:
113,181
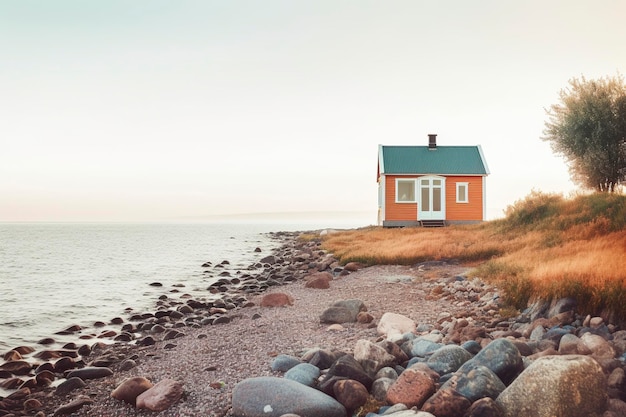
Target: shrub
532,210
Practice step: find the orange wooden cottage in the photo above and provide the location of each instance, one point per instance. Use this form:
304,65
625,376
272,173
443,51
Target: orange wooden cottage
431,185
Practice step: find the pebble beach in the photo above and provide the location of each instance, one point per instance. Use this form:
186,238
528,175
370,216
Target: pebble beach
209,346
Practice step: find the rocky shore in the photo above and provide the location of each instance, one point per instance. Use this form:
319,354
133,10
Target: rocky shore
299,334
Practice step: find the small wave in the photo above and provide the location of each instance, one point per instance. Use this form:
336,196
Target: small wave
15,324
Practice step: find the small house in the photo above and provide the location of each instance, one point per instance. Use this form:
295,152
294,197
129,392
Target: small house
431,185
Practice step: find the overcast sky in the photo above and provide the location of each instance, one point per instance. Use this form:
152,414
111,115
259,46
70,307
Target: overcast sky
155,110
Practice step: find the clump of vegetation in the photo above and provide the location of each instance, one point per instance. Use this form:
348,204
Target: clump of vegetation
587,127
547,246
598,213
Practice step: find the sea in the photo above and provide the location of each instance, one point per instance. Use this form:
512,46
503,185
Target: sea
56,275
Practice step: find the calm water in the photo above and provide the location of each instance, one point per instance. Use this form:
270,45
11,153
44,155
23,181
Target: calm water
55,275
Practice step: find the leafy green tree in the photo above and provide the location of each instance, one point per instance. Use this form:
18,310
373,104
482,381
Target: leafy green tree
588,127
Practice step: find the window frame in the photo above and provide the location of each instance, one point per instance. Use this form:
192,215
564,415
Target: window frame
412,180
458,186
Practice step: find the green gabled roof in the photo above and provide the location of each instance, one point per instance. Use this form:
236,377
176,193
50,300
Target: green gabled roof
444,160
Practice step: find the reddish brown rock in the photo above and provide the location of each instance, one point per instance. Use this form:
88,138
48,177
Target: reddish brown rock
547,352
12,355
353,266
350,393
161,396
412,388
425,368
17,367
472,332
24,350
47,355
64,364
44,378
29,383
319,280
598,345
107,333
73,406
131,388
276,299
447,403
485,407
364,317
32,404
11,383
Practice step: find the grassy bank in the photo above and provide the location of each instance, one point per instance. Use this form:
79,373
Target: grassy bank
547,246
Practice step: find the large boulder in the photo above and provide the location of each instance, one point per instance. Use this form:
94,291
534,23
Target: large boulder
568,386
479,382
448,359
501,356
272,397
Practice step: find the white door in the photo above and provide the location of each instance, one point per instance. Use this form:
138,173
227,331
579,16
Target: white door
431,205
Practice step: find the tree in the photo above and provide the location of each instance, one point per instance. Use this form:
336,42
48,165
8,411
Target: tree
588,127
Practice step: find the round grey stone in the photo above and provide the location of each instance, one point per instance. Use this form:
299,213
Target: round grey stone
273,397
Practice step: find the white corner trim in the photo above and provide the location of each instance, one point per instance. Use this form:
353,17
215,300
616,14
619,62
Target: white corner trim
482,156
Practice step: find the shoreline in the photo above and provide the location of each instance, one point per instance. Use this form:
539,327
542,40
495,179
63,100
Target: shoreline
96,272
136,331
209,360
299,259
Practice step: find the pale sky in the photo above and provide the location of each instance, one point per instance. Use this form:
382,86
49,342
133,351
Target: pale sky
154,110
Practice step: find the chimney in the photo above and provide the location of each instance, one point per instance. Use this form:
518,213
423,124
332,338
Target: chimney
432,142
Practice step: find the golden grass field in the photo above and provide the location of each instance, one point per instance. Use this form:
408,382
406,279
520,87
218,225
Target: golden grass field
547,246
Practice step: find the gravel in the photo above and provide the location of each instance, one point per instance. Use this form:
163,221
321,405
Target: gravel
211,360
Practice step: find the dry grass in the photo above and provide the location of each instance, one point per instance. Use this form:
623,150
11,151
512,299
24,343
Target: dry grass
546,247
377,245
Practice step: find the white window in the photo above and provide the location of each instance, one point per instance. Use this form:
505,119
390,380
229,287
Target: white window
462,192
405,191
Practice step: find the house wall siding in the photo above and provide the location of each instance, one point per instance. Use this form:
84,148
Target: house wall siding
470,211
473,209
393,210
